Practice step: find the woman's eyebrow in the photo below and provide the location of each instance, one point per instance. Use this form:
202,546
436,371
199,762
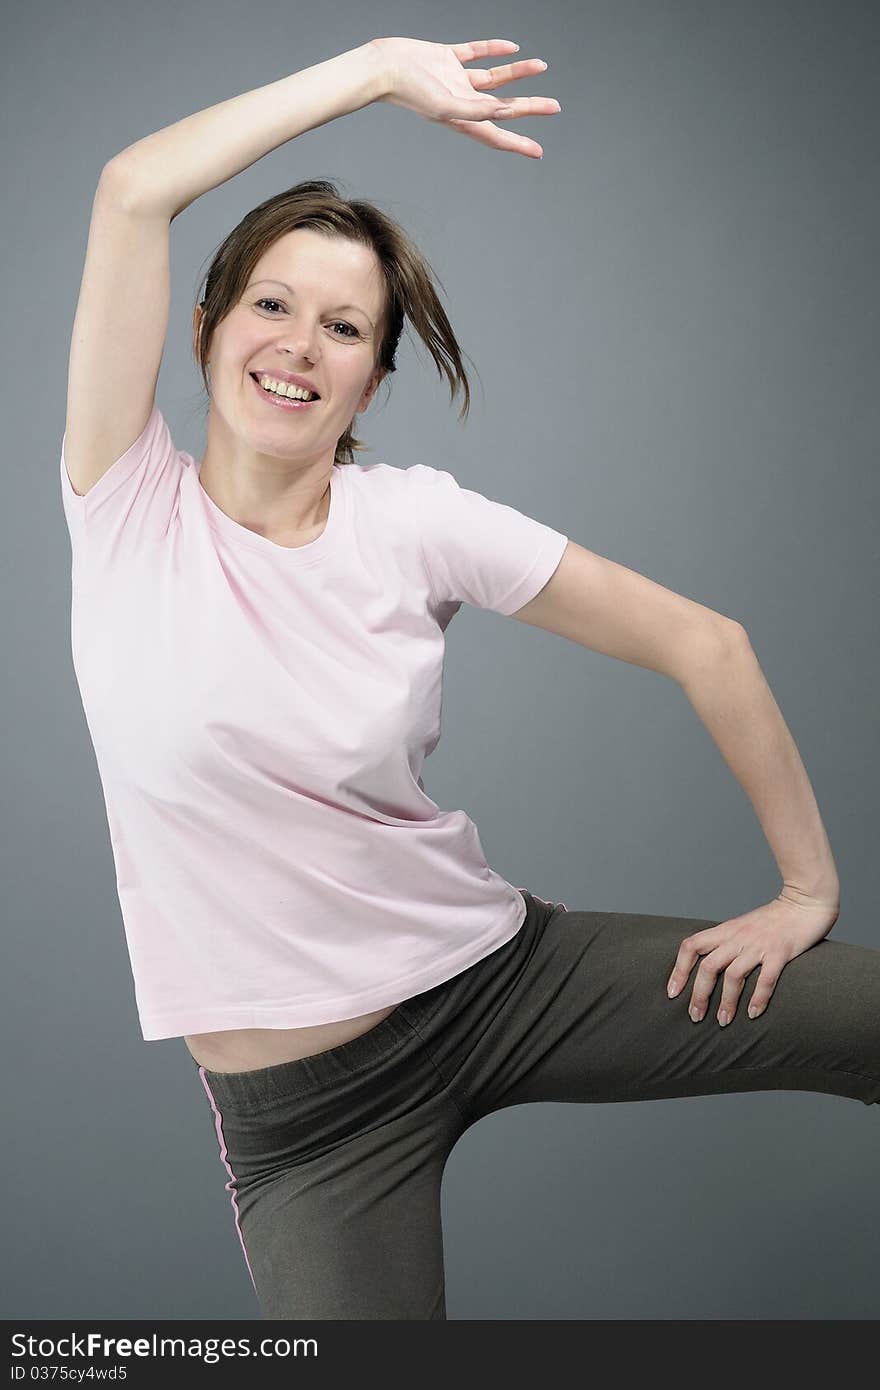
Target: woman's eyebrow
291,290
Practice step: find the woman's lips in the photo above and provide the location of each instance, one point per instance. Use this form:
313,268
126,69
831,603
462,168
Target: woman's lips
283,402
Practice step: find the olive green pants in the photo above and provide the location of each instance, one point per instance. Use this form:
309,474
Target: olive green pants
335,1161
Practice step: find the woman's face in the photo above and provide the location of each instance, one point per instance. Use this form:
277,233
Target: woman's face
313,307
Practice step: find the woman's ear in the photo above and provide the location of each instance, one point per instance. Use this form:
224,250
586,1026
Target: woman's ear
371,388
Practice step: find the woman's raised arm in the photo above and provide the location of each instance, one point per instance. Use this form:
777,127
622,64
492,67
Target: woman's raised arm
166,171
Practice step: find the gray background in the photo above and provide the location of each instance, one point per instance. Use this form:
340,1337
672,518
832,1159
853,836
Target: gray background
675,320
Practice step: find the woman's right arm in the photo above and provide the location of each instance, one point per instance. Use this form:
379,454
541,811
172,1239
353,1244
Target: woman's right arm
121,318
122,314
165,172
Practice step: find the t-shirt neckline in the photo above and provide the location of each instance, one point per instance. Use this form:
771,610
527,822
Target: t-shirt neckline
306,554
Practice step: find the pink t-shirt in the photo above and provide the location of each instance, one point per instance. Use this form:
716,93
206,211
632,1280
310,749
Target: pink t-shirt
260,717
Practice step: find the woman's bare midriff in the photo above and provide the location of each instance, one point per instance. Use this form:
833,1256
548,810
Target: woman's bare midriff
246,1049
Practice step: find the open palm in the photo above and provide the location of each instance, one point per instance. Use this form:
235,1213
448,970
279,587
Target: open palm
429,79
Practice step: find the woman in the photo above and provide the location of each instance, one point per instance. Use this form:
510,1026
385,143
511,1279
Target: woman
259,641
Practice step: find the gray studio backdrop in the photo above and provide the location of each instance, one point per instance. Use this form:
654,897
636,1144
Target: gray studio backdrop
674,321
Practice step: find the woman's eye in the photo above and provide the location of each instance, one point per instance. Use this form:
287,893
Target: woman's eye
338,323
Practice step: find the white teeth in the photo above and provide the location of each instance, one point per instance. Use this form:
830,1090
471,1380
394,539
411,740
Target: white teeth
283,388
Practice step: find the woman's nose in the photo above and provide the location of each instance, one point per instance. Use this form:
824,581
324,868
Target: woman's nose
299,339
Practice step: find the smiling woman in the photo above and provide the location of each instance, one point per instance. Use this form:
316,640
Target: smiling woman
311,289
259,641
350,242
291,359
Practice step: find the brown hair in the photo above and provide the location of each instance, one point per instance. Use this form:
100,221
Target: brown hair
409,280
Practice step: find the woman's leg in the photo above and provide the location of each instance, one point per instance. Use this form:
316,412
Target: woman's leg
334,1167
575,1009
335,1161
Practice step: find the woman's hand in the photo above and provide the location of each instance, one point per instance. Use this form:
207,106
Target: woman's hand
428,78
770,936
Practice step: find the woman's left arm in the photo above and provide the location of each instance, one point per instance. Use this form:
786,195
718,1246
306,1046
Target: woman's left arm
734,701
732,698
609,608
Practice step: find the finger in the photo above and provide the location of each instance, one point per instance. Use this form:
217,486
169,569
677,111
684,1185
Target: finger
690,950
734,979
707,976
489,134
767,979
482,48
527,106
502,110
484,79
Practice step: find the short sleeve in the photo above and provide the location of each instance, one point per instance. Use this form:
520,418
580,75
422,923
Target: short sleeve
479,551
132,503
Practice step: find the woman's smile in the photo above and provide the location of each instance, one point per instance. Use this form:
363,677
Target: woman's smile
282,402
